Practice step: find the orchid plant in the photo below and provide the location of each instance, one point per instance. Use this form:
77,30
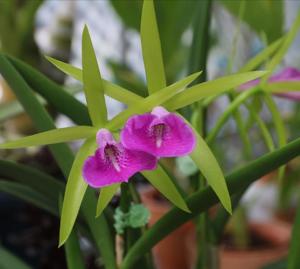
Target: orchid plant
137,139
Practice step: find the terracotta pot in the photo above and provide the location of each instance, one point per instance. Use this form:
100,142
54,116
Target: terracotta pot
171,252
275,235
178,250
250,259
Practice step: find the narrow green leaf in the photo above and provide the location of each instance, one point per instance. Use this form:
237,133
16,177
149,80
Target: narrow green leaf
37,180
106,194
293,256
62,153
35,110
74,255
10,110
210,88
29,195
284,86
151,101
264,129
100,230
279,127
261,57
10,261
209,167
68,69
75,189
92,82
228,112
52,92
151,48
161,181
51,137
110,89
262,21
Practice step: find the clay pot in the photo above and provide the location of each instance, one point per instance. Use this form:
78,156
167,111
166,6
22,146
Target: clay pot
178,250
250,259
275,235
172,251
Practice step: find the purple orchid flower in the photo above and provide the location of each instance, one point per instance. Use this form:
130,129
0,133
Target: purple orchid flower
112,163
159,133
287,74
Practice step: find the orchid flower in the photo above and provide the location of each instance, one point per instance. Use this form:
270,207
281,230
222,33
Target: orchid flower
159,133
112,163
287,74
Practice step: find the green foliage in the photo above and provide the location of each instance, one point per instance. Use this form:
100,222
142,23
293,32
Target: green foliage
211,88
16,29
151,48
268,20
151,101
29,195
162,182
209,167
74,256
172,23
8,260
55,95
75,190
51,137
92,82
106,194
138,216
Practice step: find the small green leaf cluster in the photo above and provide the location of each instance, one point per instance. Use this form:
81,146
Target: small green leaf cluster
137,216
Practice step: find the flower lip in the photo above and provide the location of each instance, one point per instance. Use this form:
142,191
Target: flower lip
158,131
112,156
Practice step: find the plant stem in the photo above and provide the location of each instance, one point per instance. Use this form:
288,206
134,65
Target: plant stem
197,61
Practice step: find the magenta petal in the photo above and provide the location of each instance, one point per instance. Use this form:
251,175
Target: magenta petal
99,172
177,138
287,74
295,96
136,133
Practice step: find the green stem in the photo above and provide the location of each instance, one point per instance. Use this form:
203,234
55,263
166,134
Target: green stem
264,130
131,235
222,217
53,93
240,125
227,113
203,200
197,61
